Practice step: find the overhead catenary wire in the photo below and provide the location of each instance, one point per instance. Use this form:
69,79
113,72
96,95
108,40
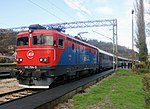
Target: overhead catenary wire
84,12
45,10
91,17
61,10
102,35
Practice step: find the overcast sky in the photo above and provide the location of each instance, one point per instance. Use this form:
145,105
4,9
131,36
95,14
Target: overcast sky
16,13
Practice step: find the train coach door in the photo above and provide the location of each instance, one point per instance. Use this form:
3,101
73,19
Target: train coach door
71,51
77,53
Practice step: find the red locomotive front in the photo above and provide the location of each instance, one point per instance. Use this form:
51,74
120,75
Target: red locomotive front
36,49
36,58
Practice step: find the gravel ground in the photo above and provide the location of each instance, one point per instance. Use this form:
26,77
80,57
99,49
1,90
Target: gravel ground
8,85
65,105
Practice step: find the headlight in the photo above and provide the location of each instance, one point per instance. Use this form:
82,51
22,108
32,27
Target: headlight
45,60
20,59
41,60
17,59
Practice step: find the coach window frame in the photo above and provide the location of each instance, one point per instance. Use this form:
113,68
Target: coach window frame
60,45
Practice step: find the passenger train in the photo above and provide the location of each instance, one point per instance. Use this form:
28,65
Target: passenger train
47,55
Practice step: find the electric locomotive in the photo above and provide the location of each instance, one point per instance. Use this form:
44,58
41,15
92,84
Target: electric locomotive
46,55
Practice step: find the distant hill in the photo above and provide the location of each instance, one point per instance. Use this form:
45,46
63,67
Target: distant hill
7,39
122,51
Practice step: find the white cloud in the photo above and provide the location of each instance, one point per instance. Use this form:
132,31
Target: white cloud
147,11
129,3
80,15
77,5
124,39
73,4
104,10
85,10
100,1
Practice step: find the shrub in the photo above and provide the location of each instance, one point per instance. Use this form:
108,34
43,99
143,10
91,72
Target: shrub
147,99
143,70
148,65
140,65
146,82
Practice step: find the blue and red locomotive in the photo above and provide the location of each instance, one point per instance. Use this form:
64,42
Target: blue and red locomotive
44,56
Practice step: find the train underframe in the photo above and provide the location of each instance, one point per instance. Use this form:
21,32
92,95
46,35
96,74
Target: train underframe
43,77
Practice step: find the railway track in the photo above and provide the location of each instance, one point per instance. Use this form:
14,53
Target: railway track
6,69
4,73
47,99
16,94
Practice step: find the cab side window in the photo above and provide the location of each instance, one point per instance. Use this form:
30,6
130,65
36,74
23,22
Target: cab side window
60,43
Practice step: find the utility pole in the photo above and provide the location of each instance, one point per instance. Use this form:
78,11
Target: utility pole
132,41
115,35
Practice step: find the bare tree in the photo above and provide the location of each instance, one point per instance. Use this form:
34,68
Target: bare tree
140,31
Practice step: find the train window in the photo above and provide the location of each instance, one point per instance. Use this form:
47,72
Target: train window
23,41
42,40
60,43
72,46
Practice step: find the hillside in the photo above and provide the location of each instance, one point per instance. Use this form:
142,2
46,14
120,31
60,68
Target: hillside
7,39
122,50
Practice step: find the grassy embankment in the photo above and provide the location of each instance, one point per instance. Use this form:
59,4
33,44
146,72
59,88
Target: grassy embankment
124,90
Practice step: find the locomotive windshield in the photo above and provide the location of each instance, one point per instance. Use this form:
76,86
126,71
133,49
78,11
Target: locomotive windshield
42,40
23,41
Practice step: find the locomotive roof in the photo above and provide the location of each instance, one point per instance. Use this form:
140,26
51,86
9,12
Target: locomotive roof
85,43
37,31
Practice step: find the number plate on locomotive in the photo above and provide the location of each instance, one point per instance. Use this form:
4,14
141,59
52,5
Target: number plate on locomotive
30,67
